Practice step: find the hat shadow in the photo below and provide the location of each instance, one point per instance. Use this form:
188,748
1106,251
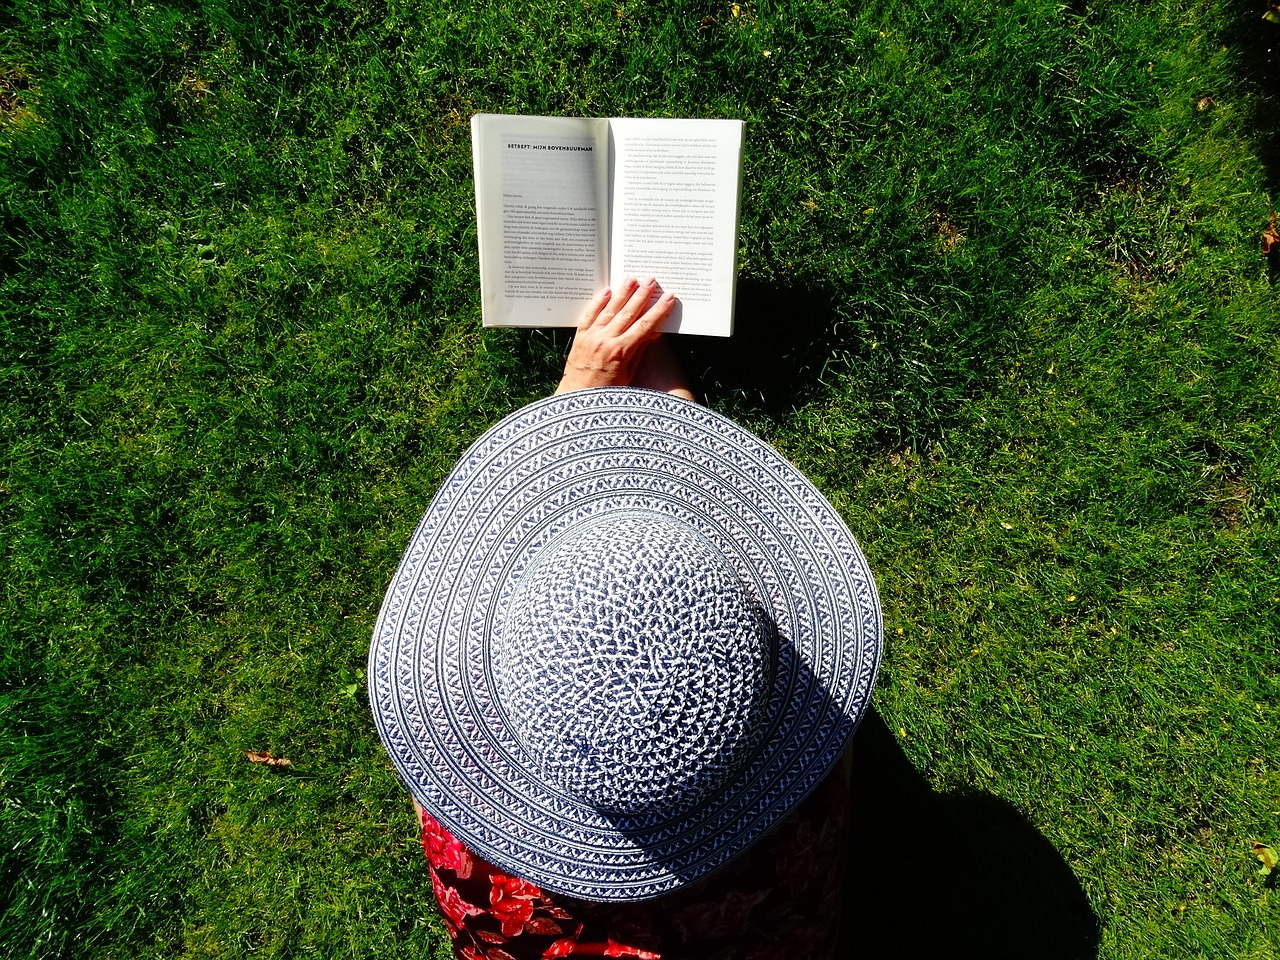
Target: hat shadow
965,874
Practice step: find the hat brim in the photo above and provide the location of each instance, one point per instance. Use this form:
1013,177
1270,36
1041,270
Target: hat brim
571,459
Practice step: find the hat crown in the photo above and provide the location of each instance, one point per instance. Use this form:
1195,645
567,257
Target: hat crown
634,667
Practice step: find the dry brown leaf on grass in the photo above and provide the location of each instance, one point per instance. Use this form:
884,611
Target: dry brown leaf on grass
257,756
1270,236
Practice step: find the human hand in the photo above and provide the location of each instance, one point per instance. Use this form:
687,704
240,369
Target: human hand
614,334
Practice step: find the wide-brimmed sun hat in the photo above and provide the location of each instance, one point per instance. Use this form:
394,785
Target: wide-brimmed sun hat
626,639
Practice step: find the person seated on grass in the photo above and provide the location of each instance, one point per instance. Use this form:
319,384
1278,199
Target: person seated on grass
618,669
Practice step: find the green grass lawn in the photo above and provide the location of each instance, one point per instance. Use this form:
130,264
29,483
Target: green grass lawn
1002,297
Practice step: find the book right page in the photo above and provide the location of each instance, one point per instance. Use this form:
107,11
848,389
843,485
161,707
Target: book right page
674,194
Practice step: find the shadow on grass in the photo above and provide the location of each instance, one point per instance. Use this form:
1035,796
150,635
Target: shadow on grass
60,837
781,346
907,360
1258,43
956,875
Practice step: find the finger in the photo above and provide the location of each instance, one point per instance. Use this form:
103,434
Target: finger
592,313
633,306
648,326
613,300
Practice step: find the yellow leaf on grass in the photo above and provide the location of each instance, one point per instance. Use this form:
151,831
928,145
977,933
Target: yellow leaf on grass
1268,856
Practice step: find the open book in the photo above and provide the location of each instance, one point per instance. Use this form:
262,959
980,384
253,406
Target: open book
566,206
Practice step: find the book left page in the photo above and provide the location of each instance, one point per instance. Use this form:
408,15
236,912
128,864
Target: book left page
542,195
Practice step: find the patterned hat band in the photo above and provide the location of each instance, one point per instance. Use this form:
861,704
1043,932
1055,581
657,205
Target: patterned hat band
625,640
635,665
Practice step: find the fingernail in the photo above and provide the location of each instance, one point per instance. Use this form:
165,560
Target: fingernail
668,297
650,281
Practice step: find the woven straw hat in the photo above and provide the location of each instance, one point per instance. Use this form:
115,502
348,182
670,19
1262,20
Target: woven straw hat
625,640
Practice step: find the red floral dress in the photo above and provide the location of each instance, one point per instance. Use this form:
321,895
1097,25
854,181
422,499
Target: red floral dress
780,900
